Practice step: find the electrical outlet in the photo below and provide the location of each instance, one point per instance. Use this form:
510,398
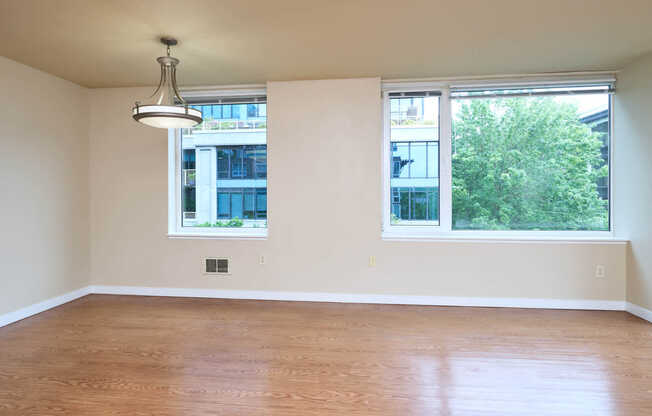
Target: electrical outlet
372,261
600,271
261,260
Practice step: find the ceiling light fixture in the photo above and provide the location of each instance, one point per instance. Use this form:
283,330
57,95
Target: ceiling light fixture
166,108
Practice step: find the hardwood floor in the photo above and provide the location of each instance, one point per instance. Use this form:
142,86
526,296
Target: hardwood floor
130,355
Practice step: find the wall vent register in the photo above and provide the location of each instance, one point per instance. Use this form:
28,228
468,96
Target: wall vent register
216,266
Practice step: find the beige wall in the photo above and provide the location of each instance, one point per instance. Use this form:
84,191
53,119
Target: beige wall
324,163
633,179
44,169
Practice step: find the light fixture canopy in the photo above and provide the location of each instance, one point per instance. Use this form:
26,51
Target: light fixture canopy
166,108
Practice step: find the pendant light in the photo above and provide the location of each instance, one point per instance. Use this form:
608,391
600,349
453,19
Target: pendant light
165,108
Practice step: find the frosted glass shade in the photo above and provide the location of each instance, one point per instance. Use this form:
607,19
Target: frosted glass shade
167,116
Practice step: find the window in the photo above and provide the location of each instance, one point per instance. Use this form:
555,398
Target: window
222,170
414,153
511,160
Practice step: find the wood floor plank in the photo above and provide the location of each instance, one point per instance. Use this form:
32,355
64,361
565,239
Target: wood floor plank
130,355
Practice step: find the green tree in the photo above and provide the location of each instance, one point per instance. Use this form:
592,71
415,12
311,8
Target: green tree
524,164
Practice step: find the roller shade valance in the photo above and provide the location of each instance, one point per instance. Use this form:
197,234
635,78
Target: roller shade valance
254,99
412,94
530,91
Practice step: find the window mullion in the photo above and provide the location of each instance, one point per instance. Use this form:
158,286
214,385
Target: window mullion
445,162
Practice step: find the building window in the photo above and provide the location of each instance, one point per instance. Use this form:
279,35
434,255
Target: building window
242,162
415,159
509,160
243,203
223,169
415,203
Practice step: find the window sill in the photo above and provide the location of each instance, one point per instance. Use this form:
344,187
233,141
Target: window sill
501,238
240,235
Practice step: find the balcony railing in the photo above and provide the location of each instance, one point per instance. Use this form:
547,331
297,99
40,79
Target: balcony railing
412,122
230,124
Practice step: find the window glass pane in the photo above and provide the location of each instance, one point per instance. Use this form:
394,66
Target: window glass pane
419,204
237,159
207,112
433,203
396,204
217,111
249,205
223,160
236,205
225,185
235,111
401,160
414,164
404,202
188,199
433,159
416,204
189,158
418,162
531,163
223,205
188,182
261,162
249,162
252,110
261,203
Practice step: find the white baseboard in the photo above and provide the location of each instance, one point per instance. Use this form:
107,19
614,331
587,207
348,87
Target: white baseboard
30,310
612,305
639,311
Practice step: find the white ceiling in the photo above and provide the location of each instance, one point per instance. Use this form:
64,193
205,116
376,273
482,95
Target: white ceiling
112,43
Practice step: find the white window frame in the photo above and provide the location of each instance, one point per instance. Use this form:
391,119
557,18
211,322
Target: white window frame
175,222
443,231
